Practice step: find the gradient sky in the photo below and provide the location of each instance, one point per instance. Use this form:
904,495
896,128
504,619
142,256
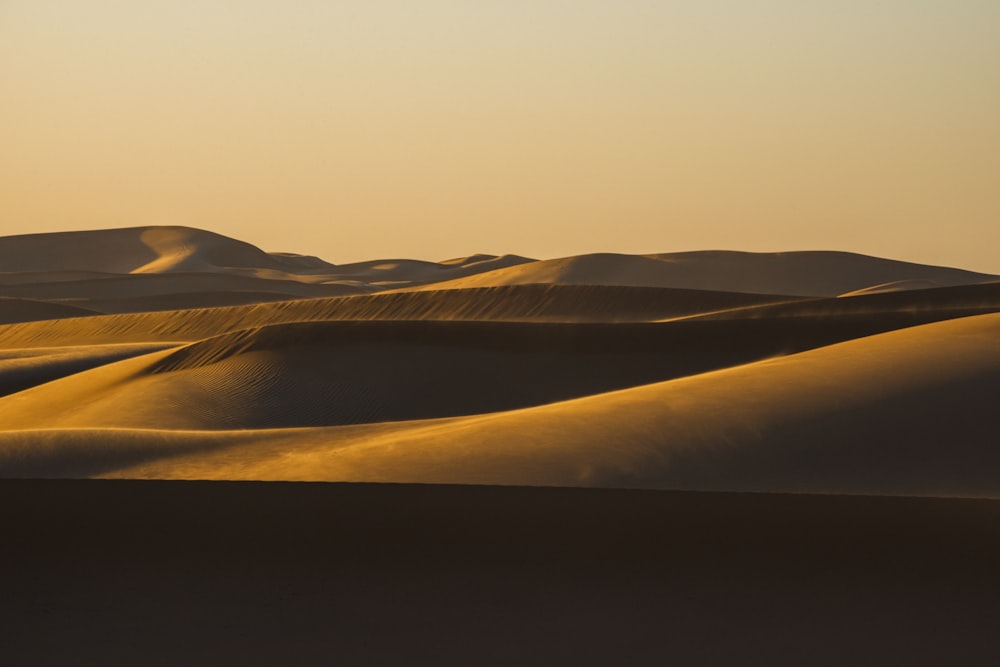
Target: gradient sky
356,129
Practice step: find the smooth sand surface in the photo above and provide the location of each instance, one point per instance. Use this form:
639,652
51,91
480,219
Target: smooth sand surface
27,310
703,399
802,273
186,573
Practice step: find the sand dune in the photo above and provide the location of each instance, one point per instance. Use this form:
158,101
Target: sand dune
798,273
523,303
704,398
920,305
164,255
896,286
159,284
27,310
403,272
59,265
329,373
144,250
906,412
25,368
177,301
222,361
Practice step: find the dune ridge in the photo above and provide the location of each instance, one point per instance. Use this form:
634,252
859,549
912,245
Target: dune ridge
35,264
527,303
805,273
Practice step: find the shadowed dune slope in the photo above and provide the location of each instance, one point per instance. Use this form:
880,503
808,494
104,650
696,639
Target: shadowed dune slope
897,286
906,412
144,250
14,310
939,303
813,273
168,573
561,303
22,369
178,301
159,260
33,259
327,373
390,273
161,284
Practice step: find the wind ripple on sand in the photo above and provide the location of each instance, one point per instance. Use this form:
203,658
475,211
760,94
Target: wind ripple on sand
518,303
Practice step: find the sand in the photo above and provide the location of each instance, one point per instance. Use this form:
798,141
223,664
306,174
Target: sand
167,573
586,371
781,424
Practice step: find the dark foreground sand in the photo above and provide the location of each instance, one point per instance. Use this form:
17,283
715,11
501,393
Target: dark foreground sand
145,572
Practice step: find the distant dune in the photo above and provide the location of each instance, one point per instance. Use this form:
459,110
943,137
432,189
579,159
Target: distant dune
144,250
798,273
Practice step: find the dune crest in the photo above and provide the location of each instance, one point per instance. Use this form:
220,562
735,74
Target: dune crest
808,273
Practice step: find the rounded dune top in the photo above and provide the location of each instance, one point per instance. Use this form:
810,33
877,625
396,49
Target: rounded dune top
142,250
52,257
801,273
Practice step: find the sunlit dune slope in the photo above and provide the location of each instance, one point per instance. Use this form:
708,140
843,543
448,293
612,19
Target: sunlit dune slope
688,370
812,273
416,362
328,373
558,303
378,369
906,412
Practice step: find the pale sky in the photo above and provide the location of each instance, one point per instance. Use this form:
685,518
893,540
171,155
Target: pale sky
357,129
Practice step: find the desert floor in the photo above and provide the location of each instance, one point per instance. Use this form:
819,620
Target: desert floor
701,458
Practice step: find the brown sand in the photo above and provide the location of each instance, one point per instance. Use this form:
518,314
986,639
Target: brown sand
556,384
168,573
802,273
174,353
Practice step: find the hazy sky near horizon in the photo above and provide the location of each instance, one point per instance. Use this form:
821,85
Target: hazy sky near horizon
385,128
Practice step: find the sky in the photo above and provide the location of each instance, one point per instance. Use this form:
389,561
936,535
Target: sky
357,129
